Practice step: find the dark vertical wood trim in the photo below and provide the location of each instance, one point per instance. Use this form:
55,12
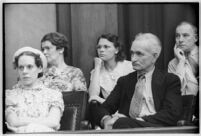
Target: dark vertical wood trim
63,15
123,23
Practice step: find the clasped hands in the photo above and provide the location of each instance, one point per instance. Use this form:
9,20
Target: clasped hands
108,121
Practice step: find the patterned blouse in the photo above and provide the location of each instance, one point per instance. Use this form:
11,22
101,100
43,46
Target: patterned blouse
32,103
66,80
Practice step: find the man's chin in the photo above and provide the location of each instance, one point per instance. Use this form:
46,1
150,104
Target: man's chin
136,68
182,47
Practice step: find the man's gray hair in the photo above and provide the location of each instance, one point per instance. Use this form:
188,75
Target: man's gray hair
188,23
152,40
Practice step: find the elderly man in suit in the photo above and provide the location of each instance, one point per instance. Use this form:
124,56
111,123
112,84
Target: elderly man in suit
147,97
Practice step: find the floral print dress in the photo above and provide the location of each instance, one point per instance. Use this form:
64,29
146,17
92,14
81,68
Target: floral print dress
32,103
66,80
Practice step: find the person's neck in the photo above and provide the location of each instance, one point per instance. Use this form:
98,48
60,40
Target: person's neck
141,72
186,53
60,64
30,86
110,65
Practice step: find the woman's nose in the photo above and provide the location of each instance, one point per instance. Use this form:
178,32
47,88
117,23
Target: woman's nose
101,49
44,51
25,70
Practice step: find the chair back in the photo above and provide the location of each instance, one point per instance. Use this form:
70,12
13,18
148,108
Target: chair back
189,102
75,110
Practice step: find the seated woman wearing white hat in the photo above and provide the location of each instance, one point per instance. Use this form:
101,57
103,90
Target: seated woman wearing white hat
30,106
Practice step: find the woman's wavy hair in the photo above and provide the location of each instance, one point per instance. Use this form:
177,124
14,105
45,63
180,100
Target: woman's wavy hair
36,57
120,56
57,39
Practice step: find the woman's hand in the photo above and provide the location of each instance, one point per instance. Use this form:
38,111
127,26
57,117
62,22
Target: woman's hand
97,98
14,121
94,87
98,62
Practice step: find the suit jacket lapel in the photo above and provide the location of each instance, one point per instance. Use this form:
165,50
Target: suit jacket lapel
156,84
131,87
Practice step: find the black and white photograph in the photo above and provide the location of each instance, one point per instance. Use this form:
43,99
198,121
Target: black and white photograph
116,67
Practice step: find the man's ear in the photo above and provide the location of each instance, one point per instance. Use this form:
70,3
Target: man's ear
196,37
156,55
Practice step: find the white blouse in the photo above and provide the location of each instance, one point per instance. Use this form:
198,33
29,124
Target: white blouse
108,79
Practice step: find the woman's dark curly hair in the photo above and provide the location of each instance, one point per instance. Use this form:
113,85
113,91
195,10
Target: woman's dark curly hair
57,39
120,56
36,57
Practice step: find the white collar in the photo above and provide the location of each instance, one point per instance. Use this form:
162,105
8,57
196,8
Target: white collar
149,73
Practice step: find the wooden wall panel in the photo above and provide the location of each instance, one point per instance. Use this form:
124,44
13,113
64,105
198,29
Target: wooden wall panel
24,25
88,22
63,15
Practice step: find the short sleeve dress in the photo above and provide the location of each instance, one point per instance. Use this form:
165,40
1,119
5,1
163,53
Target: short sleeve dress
32,103
66,80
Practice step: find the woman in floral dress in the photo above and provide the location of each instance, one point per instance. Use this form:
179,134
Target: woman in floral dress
30,106
59,75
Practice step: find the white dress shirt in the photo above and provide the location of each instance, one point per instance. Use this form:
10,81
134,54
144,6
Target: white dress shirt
189,82
148,107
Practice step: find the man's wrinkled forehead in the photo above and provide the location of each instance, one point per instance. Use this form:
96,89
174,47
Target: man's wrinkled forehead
141,44
185,28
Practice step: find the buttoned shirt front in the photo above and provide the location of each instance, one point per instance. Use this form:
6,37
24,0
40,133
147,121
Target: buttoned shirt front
148,107
189,81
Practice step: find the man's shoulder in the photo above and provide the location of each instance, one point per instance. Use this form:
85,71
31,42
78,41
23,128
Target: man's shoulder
129,76
165,74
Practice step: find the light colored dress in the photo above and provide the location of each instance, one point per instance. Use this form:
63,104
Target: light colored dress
108,79
187,75
32,103
66,80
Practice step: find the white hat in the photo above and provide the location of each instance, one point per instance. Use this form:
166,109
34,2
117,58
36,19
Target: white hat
35,51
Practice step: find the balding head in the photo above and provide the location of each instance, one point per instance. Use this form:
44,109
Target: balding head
186,36
188,24
151,41
145,50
